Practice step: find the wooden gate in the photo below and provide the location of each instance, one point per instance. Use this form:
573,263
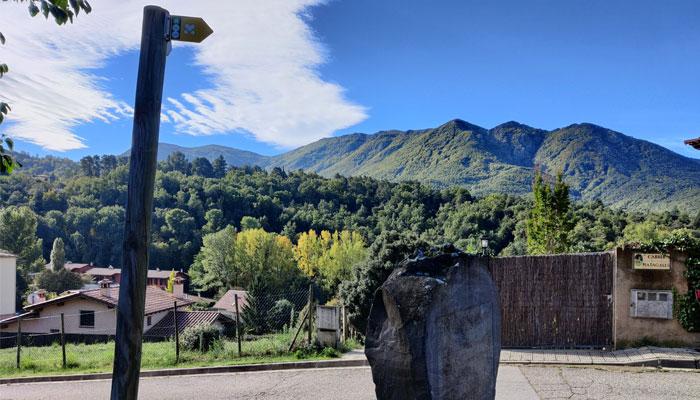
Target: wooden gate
559,301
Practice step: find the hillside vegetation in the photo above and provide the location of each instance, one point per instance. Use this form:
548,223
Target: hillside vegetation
597,163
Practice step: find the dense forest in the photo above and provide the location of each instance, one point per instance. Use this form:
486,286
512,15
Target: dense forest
194,200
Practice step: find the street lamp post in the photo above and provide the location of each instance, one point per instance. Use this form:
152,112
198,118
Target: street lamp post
484,245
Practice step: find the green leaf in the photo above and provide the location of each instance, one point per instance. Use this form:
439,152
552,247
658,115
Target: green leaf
4,108
33,9
59,14
62,4
85,6
75,6
7,164
45,8
10,143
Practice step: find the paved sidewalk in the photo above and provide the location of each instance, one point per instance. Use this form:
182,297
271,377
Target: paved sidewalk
643,356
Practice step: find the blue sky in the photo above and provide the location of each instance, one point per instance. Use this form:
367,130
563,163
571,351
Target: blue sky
627,65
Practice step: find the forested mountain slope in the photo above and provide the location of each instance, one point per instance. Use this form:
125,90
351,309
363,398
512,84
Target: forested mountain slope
597,162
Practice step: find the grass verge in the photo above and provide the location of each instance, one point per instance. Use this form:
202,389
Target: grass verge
96,358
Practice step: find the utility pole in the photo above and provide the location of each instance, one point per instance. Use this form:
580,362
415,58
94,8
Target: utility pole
158,29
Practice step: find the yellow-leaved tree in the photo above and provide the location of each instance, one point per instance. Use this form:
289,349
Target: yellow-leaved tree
329,257
230,259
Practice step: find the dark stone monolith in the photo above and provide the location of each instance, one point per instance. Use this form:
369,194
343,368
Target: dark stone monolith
434,331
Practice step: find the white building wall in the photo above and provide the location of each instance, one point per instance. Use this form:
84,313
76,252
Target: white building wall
8,268
49,320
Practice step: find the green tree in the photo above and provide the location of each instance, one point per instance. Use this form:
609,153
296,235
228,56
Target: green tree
215,221
58,255
109,163
202,167
215,267
256,310
329,256
229,259
177,162
385,254
58,282
550,218
18,226
219,166
248,222
644,233
171,282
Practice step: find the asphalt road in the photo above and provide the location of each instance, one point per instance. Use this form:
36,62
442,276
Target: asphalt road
521,383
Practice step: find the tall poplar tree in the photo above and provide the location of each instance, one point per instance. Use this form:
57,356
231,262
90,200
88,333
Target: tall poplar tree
550,219
58,255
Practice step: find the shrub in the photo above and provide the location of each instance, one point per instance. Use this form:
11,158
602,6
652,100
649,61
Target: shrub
280,315
330,352
201,337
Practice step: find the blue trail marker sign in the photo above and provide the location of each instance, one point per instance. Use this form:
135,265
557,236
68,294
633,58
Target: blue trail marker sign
189,29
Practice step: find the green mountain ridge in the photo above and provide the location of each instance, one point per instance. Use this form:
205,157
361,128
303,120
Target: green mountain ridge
598,163
234,157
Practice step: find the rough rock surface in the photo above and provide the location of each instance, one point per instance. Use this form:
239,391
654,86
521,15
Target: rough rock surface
434,331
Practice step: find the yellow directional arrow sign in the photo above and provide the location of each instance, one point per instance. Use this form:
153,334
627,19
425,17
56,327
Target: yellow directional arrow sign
189,29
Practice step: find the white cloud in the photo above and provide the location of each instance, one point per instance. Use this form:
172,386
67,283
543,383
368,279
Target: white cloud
261,64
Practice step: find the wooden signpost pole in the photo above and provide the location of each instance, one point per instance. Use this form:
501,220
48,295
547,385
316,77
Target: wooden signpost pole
159,28
139,204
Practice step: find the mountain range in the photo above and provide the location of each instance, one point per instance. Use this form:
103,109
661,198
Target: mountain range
598,163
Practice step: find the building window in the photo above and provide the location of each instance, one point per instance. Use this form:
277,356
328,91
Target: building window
87,319
148,320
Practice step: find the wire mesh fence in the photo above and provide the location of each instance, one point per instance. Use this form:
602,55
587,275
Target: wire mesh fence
257,324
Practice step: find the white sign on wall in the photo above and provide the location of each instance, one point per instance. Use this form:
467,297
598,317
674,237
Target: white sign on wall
651,304
652,261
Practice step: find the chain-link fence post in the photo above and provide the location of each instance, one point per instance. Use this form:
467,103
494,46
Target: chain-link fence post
344,326
177,333
238,323
63,341
19,341
311,301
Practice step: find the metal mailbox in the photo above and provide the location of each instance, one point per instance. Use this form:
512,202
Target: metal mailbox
651,304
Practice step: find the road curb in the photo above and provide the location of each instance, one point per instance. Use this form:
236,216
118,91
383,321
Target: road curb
195,371
682,364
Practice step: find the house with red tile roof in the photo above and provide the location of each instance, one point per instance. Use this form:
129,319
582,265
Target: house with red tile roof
227,302
88,313
165,328
156,277
78,268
